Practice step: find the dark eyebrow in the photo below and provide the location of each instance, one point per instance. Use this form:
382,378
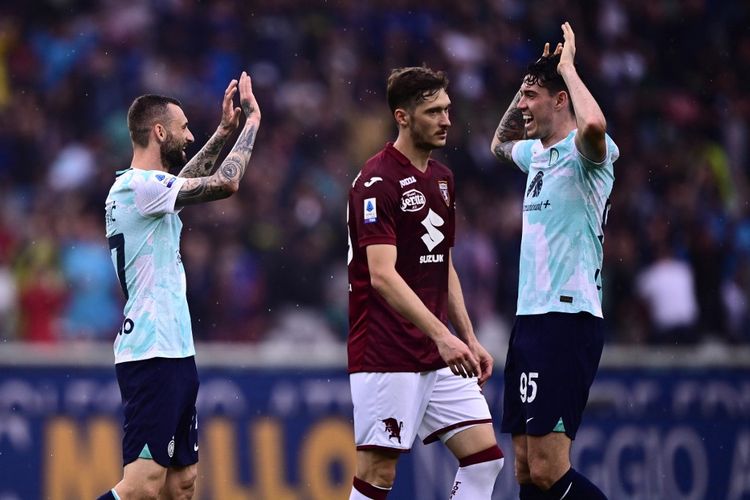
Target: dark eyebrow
437,108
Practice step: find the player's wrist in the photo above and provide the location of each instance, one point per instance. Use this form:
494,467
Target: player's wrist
442,336
224,131
471,341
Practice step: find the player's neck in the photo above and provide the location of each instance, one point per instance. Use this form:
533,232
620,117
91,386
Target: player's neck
559,133
417,156
145,159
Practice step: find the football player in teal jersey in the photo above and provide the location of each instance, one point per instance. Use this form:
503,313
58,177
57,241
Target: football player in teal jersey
154,352
555,132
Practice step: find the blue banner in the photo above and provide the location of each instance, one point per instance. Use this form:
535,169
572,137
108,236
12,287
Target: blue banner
287,435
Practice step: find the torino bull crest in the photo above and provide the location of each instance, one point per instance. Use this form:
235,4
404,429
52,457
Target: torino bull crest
393,428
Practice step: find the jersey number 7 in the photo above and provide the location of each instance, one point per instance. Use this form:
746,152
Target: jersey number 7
117,243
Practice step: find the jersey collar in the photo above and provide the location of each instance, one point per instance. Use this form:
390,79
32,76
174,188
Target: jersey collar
405,162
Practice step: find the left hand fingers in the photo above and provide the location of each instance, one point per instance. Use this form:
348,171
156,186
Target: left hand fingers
486,374
487,367
228,112
230,91
486,363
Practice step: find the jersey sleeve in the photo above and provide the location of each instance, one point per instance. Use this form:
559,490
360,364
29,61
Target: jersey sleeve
156,193
374,203
521,154
611,156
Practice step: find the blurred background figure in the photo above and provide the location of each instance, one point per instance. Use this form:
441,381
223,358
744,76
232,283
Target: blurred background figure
667,289
676,105
93,310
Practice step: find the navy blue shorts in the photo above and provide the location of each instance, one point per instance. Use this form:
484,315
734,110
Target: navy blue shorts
552,360
161,422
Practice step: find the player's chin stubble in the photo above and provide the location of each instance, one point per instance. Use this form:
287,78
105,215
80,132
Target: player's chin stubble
172,155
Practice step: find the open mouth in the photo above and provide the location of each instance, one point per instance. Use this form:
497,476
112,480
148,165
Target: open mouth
527,120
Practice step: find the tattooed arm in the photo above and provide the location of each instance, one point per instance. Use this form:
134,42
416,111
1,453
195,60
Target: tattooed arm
509,131
226,180
202,164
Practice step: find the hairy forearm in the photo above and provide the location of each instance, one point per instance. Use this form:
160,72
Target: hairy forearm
510,129
202,164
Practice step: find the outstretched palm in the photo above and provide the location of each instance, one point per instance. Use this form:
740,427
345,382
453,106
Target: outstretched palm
568,49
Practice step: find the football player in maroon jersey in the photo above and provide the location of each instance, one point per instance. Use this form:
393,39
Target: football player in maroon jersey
410,376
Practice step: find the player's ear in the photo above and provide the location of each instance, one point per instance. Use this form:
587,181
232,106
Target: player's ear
561,101
160,132
402,117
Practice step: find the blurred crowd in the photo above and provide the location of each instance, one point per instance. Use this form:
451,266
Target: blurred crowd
270,263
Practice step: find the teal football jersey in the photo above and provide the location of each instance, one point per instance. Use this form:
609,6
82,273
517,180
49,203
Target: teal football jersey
143,230
564,212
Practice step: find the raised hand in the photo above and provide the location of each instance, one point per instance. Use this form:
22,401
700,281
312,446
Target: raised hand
247,99
202,164
568,49
230,115
545,52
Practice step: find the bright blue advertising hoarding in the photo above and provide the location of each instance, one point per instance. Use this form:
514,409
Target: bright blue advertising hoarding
286,435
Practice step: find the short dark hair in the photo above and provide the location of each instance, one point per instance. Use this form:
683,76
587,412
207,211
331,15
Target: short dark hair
543,72
408,87
146,111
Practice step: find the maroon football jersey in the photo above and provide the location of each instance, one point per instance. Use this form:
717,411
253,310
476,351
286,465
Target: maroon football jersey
391,202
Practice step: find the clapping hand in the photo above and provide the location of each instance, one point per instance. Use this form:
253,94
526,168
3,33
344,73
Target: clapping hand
247,99
230,116
568,49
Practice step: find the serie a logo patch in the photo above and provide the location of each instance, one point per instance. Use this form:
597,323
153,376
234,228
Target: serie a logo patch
166,180
371,210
